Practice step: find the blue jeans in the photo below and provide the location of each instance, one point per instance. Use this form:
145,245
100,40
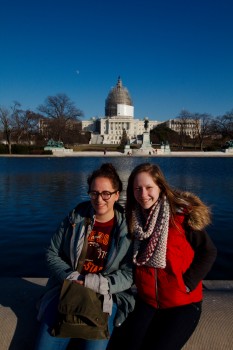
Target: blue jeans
47,342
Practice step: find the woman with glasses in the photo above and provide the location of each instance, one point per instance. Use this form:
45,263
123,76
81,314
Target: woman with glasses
107,267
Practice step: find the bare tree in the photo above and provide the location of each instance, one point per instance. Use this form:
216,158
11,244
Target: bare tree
183,119
202,124
18,119
224,125
61,111
7,119
7,126
29,125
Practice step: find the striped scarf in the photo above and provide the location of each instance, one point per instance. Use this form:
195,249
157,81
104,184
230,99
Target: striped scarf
150,243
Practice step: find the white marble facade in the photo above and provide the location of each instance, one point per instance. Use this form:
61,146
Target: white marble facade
119,118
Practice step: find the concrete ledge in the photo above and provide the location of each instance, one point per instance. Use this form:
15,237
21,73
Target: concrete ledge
18,324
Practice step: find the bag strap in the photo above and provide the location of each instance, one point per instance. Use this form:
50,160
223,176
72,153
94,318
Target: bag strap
83,253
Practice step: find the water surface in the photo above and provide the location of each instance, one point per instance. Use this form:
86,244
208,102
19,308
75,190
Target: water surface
37,193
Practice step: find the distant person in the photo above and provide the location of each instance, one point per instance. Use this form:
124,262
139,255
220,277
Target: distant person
172,255
108,264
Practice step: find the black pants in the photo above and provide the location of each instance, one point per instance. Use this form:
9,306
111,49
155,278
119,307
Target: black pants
151,329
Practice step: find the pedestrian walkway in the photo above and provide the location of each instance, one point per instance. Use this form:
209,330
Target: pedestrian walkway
120,154
18,325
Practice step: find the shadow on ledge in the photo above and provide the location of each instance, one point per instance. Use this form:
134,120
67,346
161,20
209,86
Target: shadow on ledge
18,324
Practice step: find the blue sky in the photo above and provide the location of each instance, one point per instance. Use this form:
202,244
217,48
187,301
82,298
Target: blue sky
170,54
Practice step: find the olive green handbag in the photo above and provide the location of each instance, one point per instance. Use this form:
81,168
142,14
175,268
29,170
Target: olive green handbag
80,313
80,309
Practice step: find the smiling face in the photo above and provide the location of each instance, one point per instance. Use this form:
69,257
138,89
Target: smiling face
146,192
103,208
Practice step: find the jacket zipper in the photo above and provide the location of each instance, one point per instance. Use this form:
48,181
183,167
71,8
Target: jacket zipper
156,290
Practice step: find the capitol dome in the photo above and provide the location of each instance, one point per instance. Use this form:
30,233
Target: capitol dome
118,95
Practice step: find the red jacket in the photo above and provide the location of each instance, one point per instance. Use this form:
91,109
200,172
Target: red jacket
189,258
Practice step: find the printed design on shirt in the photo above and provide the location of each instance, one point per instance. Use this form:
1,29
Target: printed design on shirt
98,245
98,237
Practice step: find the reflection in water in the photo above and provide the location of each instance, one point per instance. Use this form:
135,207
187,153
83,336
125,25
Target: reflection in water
36,194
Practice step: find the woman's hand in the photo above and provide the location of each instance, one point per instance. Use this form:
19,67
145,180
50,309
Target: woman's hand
76,277
78,282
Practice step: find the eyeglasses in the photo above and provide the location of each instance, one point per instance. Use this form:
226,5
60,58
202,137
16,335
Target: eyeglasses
105,194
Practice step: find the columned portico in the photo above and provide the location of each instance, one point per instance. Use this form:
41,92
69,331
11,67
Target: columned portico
118,119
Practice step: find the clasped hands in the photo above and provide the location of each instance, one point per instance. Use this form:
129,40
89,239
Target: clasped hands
96,282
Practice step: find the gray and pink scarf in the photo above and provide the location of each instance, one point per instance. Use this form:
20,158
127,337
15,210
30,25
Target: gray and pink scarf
150,239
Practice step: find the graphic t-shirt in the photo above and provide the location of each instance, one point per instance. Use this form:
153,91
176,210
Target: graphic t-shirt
98,245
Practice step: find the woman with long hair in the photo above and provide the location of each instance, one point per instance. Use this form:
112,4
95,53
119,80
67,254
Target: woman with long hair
172,254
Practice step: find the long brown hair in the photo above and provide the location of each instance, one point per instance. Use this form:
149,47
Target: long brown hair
178,200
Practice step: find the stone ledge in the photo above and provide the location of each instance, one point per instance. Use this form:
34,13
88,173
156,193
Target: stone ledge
18,324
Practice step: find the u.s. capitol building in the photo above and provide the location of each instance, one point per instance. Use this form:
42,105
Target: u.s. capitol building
118,120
